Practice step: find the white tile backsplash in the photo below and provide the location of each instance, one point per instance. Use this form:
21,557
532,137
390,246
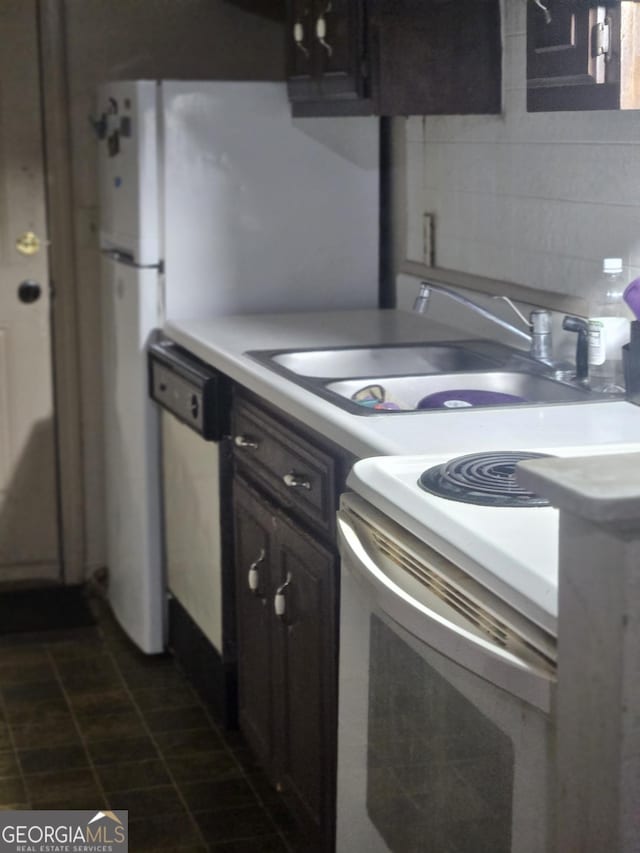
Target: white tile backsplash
537,199
415,129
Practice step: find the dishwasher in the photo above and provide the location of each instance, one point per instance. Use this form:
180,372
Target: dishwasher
194,400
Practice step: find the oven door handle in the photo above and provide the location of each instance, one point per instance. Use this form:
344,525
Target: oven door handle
488,661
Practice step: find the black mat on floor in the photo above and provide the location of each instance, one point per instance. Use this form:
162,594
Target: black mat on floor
44,609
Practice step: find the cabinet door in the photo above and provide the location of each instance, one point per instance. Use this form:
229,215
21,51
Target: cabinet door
302,71
436,57
266,8
253,529
573,59
326,52
339,35
305,715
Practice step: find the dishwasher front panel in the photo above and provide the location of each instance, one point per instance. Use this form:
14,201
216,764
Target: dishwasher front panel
197,394
191,475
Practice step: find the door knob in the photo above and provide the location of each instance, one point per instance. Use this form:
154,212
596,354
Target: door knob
29,291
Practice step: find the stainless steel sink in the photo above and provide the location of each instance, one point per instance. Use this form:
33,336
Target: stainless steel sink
382,361
461,390
407,373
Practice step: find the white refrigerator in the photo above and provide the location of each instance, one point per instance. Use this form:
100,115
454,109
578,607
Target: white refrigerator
213,200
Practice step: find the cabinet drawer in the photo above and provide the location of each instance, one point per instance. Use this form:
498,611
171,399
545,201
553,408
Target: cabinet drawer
298,474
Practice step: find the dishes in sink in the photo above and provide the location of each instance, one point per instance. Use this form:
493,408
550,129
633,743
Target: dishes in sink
445,392
375,396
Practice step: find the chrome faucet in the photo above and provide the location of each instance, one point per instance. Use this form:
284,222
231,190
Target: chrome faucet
538,336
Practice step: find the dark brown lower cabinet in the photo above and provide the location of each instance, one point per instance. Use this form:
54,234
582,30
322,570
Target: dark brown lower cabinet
287,667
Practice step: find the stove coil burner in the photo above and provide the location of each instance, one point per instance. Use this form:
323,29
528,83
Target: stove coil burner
487,479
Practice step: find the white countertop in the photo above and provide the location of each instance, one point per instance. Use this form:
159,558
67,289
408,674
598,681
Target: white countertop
222,342
512,552
606,494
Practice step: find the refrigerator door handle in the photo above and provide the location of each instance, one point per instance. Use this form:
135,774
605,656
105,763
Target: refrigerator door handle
127,259
120,257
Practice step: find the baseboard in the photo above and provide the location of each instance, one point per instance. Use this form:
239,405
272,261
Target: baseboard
214,679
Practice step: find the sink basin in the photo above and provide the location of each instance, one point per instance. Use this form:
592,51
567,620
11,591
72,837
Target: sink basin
489,374
490,389
405,359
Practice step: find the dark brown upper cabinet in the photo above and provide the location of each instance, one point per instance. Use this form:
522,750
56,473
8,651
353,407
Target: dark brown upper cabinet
327,56
581,55
275,9
394,57
436,57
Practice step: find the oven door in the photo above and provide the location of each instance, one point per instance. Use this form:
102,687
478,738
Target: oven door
444,740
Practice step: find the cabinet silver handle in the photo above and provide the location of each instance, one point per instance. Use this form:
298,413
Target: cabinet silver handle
253,577
245,441
321,33
280,599
298,37
296,481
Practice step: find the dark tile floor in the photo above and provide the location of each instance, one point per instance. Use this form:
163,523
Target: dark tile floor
87,722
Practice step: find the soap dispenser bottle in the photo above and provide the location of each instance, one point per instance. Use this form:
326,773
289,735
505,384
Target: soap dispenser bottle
608,330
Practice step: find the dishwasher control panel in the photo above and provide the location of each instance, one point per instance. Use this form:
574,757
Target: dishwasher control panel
197,394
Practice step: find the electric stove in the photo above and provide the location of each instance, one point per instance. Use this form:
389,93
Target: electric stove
512,550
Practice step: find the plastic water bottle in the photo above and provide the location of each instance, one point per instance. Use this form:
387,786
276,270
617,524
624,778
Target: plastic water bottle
608,331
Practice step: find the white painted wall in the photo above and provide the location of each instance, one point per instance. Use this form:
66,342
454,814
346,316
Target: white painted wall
535,199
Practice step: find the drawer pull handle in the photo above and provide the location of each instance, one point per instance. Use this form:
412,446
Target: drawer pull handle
253,577
296,481
245,441
280,599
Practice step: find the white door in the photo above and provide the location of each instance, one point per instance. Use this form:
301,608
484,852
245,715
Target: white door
28,517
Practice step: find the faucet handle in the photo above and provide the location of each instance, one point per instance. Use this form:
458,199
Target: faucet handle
516,311
541,322
541,337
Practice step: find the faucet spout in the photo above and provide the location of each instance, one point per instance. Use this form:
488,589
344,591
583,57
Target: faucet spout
427,287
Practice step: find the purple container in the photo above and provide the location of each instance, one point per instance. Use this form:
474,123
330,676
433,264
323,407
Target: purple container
467,398
631,296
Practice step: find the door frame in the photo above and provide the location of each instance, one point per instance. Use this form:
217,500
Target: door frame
63,279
